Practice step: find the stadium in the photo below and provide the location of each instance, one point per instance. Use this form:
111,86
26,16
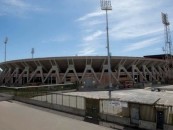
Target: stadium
89,71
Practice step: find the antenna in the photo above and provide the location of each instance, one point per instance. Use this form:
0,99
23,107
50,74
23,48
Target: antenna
32,52
5,42
106,5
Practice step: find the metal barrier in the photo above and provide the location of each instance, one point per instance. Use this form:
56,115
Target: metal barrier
61,99
57,101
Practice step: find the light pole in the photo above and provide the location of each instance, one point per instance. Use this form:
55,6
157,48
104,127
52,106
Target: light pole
32,52
5,42
106,5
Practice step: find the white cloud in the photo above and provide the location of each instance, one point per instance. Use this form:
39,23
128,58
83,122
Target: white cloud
141,45
130,21
18,8
93,23
16,3
90,48
132,32
90,15
91,44
87,51
93,36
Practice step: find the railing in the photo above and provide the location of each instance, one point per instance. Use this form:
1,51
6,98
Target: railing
52,99
61,99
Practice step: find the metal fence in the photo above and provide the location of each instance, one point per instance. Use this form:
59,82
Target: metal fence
61,99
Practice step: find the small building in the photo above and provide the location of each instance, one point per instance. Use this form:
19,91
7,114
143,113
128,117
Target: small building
140,108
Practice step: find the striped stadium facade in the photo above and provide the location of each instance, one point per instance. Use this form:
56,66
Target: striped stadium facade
82,69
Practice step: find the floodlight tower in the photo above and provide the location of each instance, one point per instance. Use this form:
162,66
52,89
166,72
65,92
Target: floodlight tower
5,42
106,5
168,42
32,52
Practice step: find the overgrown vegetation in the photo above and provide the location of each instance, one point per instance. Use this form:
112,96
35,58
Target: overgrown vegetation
29,92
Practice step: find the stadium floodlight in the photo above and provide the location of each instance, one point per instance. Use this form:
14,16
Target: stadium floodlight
106,5
168,41
5,42
165,19
32,52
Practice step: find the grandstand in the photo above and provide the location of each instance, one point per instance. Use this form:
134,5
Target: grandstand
90,71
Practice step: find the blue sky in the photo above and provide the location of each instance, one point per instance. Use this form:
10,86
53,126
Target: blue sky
68,28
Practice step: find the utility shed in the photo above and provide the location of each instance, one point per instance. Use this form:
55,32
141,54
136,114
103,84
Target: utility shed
137,107
165,104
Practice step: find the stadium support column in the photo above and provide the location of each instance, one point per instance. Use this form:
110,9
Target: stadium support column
70,68
89,67
125,70
105,67
133,73
146,73
56,69
34,73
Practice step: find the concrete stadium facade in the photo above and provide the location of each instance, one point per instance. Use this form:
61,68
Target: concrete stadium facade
90,70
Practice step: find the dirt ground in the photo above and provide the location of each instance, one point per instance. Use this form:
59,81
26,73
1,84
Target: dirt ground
18,116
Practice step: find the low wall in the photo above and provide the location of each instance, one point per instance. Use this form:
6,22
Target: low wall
115,119
52,106
168,127
147,84
5,97
147,125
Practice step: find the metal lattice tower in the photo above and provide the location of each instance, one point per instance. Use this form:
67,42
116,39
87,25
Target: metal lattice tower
168,46
168,43
106,5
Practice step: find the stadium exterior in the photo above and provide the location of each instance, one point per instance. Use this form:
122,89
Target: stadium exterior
86,70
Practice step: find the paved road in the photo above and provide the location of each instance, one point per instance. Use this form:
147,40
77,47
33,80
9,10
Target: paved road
17,116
